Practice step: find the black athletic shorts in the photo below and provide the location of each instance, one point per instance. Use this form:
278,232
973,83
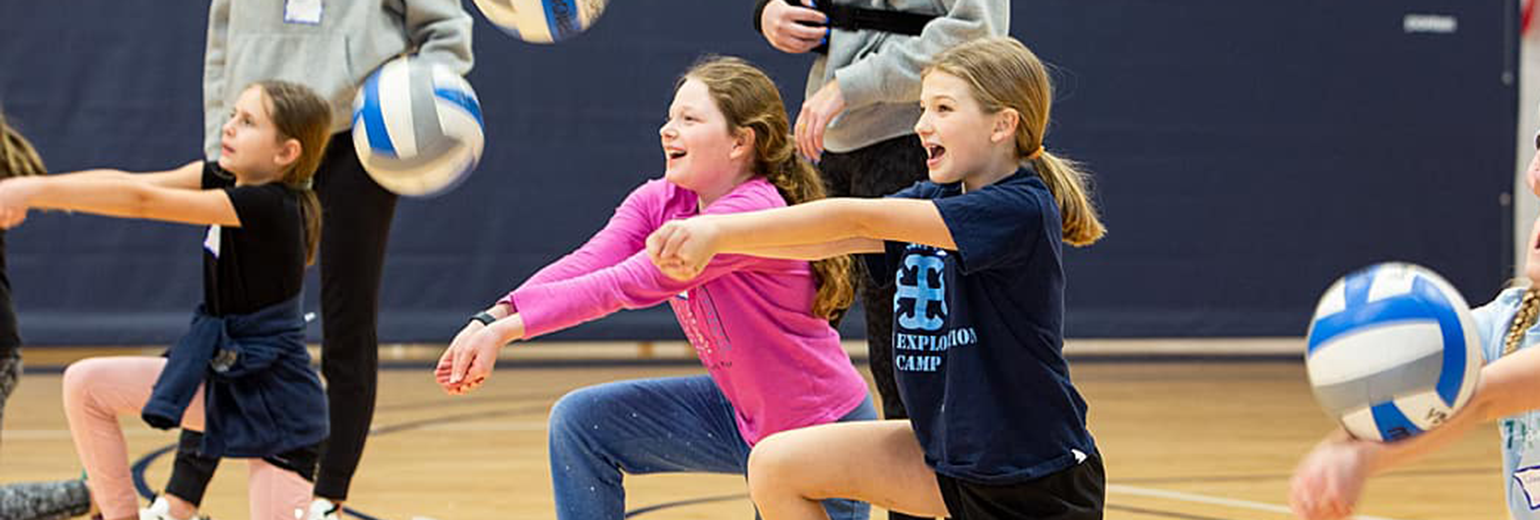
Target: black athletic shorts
1074,493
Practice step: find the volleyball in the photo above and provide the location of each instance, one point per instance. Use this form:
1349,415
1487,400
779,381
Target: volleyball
542,21
417,127
1392,351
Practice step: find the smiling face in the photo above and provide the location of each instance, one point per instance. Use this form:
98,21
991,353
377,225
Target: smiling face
702,154
251,147
962,141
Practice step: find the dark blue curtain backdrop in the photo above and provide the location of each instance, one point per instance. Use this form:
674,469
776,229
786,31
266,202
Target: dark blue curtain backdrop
1246,153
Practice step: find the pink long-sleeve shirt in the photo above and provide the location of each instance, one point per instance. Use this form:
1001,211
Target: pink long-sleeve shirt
750,319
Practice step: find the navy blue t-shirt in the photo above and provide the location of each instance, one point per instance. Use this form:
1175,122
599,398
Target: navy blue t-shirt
978,335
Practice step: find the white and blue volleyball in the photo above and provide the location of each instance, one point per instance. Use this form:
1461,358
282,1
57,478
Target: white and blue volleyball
417,127
1392,351
542,21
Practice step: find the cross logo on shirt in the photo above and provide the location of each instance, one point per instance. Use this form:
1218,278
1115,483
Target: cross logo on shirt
927,292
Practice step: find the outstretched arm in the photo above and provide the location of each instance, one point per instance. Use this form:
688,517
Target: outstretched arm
682,248
186,177
812,252
1328,481
157,196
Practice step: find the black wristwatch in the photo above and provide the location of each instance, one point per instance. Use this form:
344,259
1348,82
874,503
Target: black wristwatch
484,317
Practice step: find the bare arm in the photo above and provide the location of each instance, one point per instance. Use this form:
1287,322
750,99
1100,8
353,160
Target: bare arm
681,248
1328,481
847,246
159,196
186,177
1508,386
824,221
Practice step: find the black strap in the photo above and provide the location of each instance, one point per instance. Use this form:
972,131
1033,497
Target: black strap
852,18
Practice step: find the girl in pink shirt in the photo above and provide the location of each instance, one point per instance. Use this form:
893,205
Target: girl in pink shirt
760,326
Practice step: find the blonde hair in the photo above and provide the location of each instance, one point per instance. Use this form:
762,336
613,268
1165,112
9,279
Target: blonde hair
17,156
300,114
1004,74
1523,319
748,99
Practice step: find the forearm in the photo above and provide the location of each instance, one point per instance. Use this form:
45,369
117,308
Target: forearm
509,327
1390,455
101,192
819,251
98,174
1507,386
810,224
833,221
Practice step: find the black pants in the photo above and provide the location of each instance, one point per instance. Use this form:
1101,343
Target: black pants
10,339
874,171
356,217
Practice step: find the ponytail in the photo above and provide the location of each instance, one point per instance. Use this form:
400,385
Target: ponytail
1067,182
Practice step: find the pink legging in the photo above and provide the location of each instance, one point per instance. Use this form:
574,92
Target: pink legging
98,390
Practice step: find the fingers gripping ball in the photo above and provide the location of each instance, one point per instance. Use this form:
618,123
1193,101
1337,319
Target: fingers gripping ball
542,21
1392,351
417,127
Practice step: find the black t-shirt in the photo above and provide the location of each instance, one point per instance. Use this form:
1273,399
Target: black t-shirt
978,335
260,263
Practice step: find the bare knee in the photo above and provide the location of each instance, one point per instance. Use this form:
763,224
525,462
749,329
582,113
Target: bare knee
773,467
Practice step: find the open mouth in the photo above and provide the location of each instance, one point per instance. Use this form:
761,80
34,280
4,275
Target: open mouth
933,152
674,154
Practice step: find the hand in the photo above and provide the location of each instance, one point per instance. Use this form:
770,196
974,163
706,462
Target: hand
15,194
682,248
779,22
817,111
1328,482
469,359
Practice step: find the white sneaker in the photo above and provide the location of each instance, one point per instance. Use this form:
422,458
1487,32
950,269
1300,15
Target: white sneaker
322,509
160,509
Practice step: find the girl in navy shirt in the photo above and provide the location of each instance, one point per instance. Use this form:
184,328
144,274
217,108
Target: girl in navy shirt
996,429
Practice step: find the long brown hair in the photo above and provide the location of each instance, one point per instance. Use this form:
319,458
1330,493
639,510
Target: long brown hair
748,99
1004,74
17,157
300,114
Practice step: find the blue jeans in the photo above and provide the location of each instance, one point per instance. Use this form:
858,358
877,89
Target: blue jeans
676,424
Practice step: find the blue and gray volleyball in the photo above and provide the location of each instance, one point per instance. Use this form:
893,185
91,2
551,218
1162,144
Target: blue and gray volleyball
417,127
542,21
1392,351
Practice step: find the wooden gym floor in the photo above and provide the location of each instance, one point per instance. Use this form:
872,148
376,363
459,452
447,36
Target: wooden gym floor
1188,436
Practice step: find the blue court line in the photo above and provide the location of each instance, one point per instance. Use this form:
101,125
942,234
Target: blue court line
144,462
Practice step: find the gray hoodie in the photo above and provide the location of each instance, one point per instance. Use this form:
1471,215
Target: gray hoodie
879,73
249,41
